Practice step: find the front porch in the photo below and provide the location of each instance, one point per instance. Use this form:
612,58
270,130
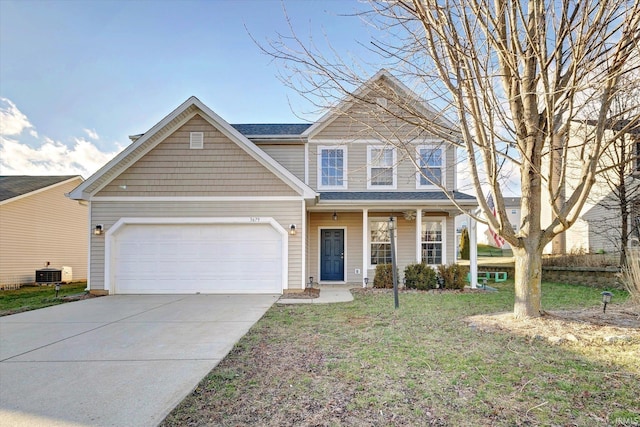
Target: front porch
344,244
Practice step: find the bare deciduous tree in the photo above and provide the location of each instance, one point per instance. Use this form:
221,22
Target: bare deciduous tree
514,76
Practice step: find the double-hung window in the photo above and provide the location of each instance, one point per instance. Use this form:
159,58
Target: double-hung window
332,163
431,163
380,241
432,244
381,168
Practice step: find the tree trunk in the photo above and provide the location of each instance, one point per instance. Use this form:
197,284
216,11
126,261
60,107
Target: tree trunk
528,282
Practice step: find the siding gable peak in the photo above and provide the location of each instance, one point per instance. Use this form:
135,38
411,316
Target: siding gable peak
385,91
150,139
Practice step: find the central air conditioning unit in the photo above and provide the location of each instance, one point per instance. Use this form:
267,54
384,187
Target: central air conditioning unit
48,275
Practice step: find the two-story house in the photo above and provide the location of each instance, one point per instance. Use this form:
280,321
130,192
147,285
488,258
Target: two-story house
198,205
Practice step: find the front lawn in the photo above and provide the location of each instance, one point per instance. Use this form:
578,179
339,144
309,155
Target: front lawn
34,297
366,364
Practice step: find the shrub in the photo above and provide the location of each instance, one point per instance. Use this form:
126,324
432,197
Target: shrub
383,277
420,276
465,244
454,275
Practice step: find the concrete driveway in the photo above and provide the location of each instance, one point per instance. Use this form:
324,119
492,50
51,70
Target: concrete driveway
116,360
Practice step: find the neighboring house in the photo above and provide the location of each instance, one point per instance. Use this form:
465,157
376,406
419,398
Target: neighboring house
38,224
597,228
198,205
512,206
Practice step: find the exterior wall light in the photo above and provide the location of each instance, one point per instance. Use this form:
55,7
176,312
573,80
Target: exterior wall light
292,229
334,216
98,230
606,299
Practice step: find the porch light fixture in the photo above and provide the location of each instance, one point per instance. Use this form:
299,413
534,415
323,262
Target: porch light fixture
606,299
98,230
292,229
335,216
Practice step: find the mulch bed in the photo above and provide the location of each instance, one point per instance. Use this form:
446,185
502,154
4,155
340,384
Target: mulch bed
308,293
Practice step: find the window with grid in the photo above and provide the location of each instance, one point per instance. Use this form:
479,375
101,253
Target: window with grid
380,242
431,162
331,164
381,167
432,242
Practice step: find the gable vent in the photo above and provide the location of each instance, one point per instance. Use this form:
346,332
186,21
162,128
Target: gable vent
196,140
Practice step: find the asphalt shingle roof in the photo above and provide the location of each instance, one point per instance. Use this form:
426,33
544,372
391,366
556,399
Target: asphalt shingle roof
391,195
272,129
14,186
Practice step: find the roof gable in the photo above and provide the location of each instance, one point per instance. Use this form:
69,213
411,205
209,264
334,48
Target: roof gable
383,83
145,143
14,187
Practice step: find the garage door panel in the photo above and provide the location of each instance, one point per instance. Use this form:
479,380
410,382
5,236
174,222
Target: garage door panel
206,258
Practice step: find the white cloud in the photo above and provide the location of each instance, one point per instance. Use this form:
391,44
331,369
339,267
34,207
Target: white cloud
50,157
92,134
12,120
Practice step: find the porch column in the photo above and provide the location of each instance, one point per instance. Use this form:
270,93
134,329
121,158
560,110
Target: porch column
365,260
473,252
418,235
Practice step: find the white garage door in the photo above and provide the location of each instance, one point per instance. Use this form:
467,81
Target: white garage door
190,258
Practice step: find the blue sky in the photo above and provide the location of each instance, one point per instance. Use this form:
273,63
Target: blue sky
78,77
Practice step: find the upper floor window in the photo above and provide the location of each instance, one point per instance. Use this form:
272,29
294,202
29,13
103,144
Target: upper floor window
381,168
332,163
431,163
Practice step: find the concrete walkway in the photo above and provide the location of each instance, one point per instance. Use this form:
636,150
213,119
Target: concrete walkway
117,360
328,294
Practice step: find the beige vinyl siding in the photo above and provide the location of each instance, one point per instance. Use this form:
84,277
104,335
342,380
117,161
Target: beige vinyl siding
285,212
44,226
291,156
220,168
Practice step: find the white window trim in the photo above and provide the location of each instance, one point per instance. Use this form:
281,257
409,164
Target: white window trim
196,140
443,242
395,236
394,168
320,148
443,176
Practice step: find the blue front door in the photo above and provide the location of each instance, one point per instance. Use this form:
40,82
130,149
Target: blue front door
332,255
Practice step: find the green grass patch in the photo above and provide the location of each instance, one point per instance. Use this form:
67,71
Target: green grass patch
365,363
33,297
